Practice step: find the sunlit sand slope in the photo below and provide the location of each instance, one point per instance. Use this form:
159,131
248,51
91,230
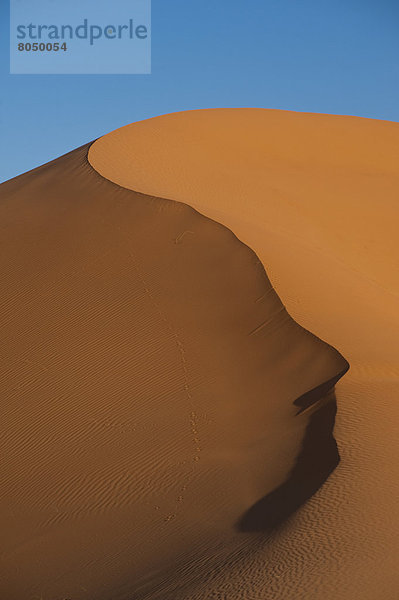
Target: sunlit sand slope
156,395
316,197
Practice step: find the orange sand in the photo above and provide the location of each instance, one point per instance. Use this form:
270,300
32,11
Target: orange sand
316,197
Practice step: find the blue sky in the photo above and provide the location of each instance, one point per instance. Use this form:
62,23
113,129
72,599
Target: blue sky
336,56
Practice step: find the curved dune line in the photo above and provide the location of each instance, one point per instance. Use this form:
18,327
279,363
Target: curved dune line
315,196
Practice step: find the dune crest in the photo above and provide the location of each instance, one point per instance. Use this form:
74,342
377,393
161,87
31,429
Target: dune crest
315,196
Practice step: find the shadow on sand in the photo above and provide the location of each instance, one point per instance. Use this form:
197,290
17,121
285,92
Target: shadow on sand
317,459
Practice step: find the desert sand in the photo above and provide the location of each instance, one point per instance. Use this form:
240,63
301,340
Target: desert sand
316,197
168,417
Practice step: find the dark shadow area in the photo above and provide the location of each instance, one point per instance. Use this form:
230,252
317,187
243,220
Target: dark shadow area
317,393
317,459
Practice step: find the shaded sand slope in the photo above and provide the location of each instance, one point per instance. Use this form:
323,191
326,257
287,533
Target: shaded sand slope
154,391
316,197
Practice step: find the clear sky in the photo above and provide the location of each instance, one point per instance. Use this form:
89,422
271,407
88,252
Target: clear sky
335,56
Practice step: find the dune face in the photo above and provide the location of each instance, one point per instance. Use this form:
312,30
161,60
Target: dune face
315,196
161,409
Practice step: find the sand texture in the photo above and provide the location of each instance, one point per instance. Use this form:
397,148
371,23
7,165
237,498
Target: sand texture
316,197
164,418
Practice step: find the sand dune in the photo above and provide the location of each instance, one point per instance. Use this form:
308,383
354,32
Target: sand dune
167,426
163,414
316,197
